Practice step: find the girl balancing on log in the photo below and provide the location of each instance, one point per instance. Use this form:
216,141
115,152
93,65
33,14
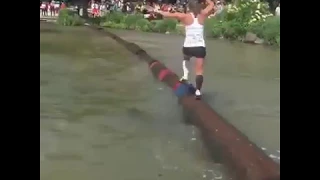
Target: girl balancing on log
194,43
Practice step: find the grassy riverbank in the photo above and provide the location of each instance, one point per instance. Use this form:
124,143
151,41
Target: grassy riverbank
249,22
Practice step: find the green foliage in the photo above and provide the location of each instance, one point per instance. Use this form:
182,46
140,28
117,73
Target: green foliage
69,18
169,24
249,16
137,22
232,23
116,17
233,29
165,25
269,30
247,11
143,25
213,28
134,21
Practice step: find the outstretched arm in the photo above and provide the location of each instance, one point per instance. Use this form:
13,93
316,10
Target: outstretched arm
206,11
174,15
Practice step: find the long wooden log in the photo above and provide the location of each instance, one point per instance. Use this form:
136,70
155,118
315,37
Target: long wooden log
243,158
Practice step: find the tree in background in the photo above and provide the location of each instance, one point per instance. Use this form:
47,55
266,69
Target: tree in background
272,3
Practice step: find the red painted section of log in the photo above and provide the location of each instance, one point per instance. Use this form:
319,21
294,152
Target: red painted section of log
163,74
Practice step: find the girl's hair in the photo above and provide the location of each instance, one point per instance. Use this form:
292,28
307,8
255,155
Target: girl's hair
194,7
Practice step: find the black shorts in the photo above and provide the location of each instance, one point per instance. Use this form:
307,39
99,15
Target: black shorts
197,52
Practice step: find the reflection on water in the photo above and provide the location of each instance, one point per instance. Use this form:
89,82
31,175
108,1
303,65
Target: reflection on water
103,117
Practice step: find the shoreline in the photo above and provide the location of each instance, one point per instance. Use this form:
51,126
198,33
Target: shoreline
212,30
230,41
264,33
272,47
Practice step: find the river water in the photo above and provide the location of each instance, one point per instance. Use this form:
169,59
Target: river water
102,116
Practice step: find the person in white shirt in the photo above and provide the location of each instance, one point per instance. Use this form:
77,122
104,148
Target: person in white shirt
194,43
43,9
102,9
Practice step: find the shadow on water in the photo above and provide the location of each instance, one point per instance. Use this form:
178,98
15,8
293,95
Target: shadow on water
103,117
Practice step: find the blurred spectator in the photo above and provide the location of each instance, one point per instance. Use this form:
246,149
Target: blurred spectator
278,10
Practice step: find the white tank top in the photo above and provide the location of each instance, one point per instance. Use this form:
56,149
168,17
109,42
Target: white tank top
194,34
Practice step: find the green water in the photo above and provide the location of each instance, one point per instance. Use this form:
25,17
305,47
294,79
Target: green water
103,117
241,82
